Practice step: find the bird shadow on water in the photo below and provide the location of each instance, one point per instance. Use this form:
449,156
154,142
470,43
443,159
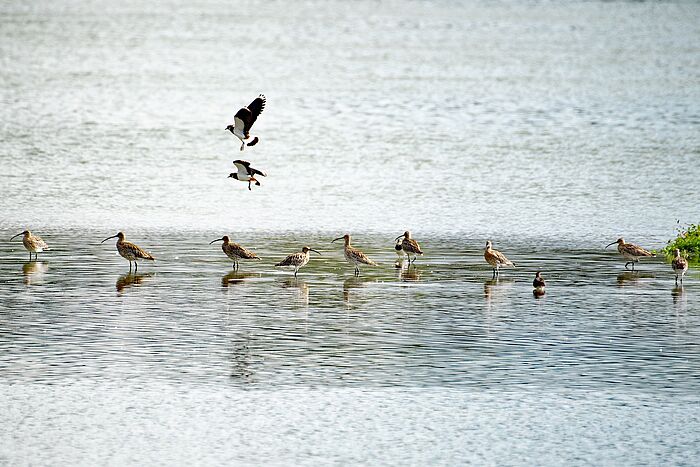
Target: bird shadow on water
34,271
628,278
351,283
300,288
409,274
496,288
678,295
131,279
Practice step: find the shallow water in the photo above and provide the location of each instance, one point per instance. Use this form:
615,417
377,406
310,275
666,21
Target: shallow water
550,128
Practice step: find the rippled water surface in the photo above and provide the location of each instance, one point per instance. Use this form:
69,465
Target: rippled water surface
550,128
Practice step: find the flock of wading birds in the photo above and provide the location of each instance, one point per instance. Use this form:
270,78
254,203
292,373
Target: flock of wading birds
243,122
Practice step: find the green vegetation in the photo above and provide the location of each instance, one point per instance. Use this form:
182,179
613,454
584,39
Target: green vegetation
688,241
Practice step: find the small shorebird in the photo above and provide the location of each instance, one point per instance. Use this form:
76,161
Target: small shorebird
129,251
630,251
398,264
235,251
679,265
244,119
353,255
496,259
246,173
409,245
538,285
297,260
32,243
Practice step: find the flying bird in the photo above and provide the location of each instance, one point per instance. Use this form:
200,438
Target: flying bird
630,251
246,173
496,259
32,243
129,251
244,119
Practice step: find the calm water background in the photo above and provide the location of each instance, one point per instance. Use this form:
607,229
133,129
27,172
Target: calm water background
551,128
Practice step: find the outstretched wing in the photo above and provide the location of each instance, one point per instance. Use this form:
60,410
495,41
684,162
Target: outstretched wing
246,116
241,166
257,172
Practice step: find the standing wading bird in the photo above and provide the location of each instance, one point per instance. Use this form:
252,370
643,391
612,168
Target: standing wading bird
409,245
353,255
496,259
244,119
630,251
32,243
129,251
679,265
246,173
538,285
235,251
297,260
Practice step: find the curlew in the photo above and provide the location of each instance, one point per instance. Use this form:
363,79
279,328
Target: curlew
409,245
244,119
129,251
679,265
235,251
630,251
32,243
496,259
297,260
245,173
353,255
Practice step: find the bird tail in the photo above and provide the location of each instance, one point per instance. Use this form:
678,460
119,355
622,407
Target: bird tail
254,142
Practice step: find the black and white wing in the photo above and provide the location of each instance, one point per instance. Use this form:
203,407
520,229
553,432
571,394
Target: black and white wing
243,167
245,117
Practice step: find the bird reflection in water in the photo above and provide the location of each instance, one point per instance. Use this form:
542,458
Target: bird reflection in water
632,277
130,279
240,361
300,288
409,275
237,278
353,283
34,272
495,288
678,295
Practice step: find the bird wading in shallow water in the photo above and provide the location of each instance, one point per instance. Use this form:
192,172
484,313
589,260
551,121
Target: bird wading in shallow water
409,245
129,251
32,243
353,255
244,119
246,173
496,259
679,265
235,251
538,285
297,260
630,251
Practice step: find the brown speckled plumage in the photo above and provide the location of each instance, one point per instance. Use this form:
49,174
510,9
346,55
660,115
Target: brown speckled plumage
410,246
630,251
496,259
235,251
353,255
32,243
297,260
679,265
130,251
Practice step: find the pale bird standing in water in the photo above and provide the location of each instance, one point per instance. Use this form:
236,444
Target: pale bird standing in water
630,251
244,119
409,245
496,259
32,243
297,260
235,251
129,251
679,265
353,255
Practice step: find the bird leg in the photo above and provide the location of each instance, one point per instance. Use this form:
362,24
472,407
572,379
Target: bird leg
628,262
249,180
137,267
129,266
242,145
357,271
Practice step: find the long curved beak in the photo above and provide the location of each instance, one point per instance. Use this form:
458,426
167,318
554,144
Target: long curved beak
311,249
21,233
217,240
113,236
610,244
339,238
398,237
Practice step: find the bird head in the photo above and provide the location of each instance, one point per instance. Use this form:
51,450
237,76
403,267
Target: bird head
233,175
224,239
119,235
229,128
619,241
306,249
488,244
26,232
345,237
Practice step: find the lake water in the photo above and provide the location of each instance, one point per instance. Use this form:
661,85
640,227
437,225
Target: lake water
549,128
